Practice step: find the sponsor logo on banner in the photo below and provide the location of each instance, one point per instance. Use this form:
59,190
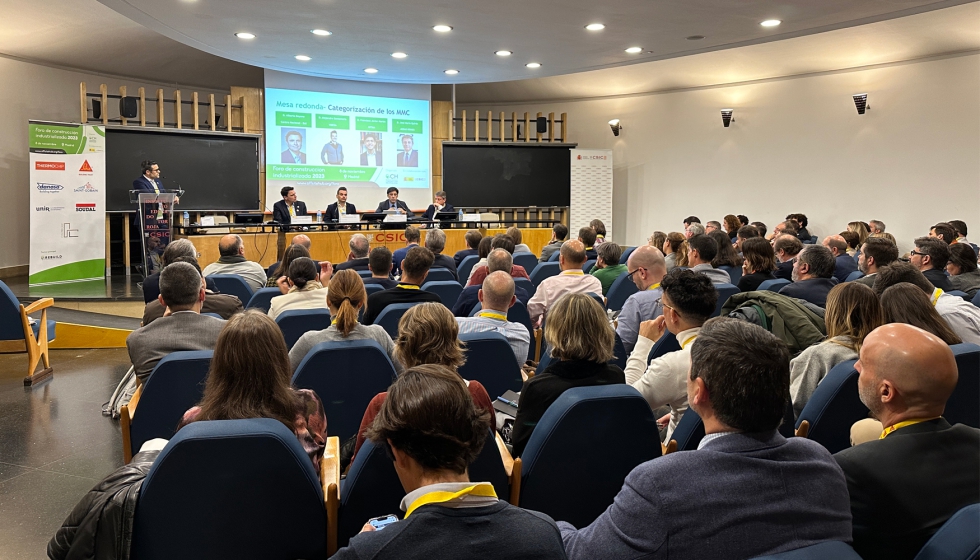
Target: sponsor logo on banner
50,256
49,165
391,179
67,231
580,156
49,188
48,208
85,168
87,187
85,207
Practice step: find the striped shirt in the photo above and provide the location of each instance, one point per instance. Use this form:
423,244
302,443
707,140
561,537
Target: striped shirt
515,333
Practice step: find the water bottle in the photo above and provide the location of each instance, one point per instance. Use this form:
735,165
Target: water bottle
319,216
187,219
461,214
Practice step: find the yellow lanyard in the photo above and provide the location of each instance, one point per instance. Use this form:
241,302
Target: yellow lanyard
935,296
409,287
573,273
654,287
493,315
900,425
484,489
334,322
688,341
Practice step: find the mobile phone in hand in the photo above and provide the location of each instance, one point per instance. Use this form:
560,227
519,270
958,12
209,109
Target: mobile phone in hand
382,521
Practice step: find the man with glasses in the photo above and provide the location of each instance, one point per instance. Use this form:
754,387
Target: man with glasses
930,256
645,268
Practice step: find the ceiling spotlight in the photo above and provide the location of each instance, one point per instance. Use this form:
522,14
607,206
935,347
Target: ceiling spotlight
321,32
861,102
302,58
399,55
595,27
770,23
452,72
634,50
533,65
244,35
503,53
442,28
615,126
370,70
726,117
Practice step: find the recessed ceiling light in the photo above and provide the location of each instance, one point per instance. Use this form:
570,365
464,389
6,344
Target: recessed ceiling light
452,72
695,37
503,53
634,50
533,65
321,32
442,28
370,70
302,58
595,27
399,55
244,35
770,23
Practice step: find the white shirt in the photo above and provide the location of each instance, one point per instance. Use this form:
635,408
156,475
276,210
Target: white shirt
664,381
963,317
373,158
569,281
299,299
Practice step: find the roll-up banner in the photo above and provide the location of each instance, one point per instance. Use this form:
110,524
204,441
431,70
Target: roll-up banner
67,203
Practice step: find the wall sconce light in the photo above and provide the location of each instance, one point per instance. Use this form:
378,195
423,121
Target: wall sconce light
615,126
726,117
861,102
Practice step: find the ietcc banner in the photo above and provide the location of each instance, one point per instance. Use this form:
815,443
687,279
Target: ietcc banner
67,203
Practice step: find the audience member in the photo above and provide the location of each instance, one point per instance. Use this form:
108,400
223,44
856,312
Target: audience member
587,236
412,238
175,250
182,292
291,253
250,378
232,261
732,224
688,301
438,205
738,384
745,232
930,257
600,231
783,227
962,316
498,260
853,312
801,232
962,268
920,471
433,432
515,234
496,297
875,253
570,280
844,264
415,267
646,269
472,239
851,238
303,289
876,226
345,298
743,219
787,248
959,228
712,226
691,220
860,228
558,234
693,229
479,272
906,303
483,249
887,236
943,231
727,256
357,258
279,269
435,241
657,239
675,250
760,227
221,304
581,341
702,249
760,262
812,275
607,267
379,261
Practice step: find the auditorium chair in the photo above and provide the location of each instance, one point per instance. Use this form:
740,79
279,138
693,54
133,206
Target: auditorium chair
554,256
528,286
466,266
598,299
620,355
626,254
517,314
619,291
588,265
773,285
833,408
346,375
527,260
175,385
231,489
734,272
491,361
447,290
391,315
957,539
725,291
821,551
666,343
364,273
17,334
579,453
440,274
295,322
544,270
262,299
233,285
976,299
856,275
688,433
963,405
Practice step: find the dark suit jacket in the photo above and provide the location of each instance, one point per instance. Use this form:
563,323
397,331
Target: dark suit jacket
410,159
445,262
287,157
364,159
460,255
384,205
904,487
938,279
376,302
333,215
356,264
814,290
845,266
331,155
143,185
430,212
280,212
784,270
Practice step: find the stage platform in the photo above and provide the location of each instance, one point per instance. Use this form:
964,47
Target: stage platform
115,288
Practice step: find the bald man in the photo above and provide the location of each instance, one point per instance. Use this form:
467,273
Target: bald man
646,268
572,279
906,484
498,259
497,297
302,239
845,264
233,261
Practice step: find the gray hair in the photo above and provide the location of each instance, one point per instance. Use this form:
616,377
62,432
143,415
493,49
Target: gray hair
359,245
180,284
177,249
879,225
695,228
500,259
498,289
820,260
435,240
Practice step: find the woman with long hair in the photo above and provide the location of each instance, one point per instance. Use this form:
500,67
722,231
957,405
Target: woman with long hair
726,252
962,268
731,225
907,303
852,313
675,250
292,253
303,289
250,378
657,239
600,231
861,229
760,262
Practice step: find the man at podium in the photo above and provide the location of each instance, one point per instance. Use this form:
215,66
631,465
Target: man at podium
150,181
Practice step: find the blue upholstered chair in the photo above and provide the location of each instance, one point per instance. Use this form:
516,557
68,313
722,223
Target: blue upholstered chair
231,489
959,294
856,275
833,408
391,315
465,267
963,406
262,299
626,254
18,335
364,273
516,314
976,299
527,260
619,291
599,299
554,256
773,285
439,273
346,375
725,291
295,322
822,551
561,453
491,361
447,290
233,285
957,539
373,288
528,286
588,265
175,385
544,270
734,272
667,343
620,355
688,433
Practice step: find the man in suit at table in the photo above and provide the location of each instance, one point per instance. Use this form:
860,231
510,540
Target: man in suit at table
408,157
335,210
371,154
393,203
284,210
790,492
905,484
294,148
439,205
333,151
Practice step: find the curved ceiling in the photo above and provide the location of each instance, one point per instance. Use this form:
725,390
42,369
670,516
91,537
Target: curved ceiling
366,32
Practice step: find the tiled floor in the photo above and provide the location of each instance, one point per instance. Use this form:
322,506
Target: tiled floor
54,443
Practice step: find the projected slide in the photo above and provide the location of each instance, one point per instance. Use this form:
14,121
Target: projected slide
318,142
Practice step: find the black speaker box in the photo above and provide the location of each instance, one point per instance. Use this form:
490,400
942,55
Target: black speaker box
542,124
128,107
96,109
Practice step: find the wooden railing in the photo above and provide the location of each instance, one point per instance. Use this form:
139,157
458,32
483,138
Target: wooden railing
507,129
228,107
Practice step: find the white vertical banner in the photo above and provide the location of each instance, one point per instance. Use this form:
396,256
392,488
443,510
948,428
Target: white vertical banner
67,203
592,190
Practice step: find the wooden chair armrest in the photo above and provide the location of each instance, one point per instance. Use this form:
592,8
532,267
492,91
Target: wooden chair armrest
670,447
126,414
515,483
804,429
505,455
38,305
330,479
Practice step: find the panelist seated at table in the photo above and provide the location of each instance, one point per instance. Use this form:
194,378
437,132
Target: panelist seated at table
393,203
438,206
341,207
284,210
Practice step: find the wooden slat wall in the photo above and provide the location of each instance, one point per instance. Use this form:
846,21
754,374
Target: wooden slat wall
440,133
252,120
459,127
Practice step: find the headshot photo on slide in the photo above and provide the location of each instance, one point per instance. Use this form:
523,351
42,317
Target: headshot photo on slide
371,149
333,151
408,156
292,144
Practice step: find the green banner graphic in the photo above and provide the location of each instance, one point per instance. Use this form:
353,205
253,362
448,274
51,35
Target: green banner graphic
371,124
319,172
289,118
93,269
340,122
56,139
402,125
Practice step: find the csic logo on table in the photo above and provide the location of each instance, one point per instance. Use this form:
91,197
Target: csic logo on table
85,207
49,165
87,187
49,188
85,169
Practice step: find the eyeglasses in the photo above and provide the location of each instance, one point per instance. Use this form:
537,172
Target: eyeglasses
913,252
630,275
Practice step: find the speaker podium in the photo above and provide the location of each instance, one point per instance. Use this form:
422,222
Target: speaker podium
156,212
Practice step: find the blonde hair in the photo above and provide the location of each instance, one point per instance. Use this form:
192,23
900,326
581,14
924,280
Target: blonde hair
428,334
860,229
346,294
853,310
577,329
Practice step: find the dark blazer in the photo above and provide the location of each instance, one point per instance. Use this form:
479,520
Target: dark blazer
356,264
364,159
331,155
904,487
384,205
333,215
280,212
938,279
376,302
430,212
845,266
814,290
750,282
460,255
784,270
408,159
442,261
146,185
469,297
287,157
